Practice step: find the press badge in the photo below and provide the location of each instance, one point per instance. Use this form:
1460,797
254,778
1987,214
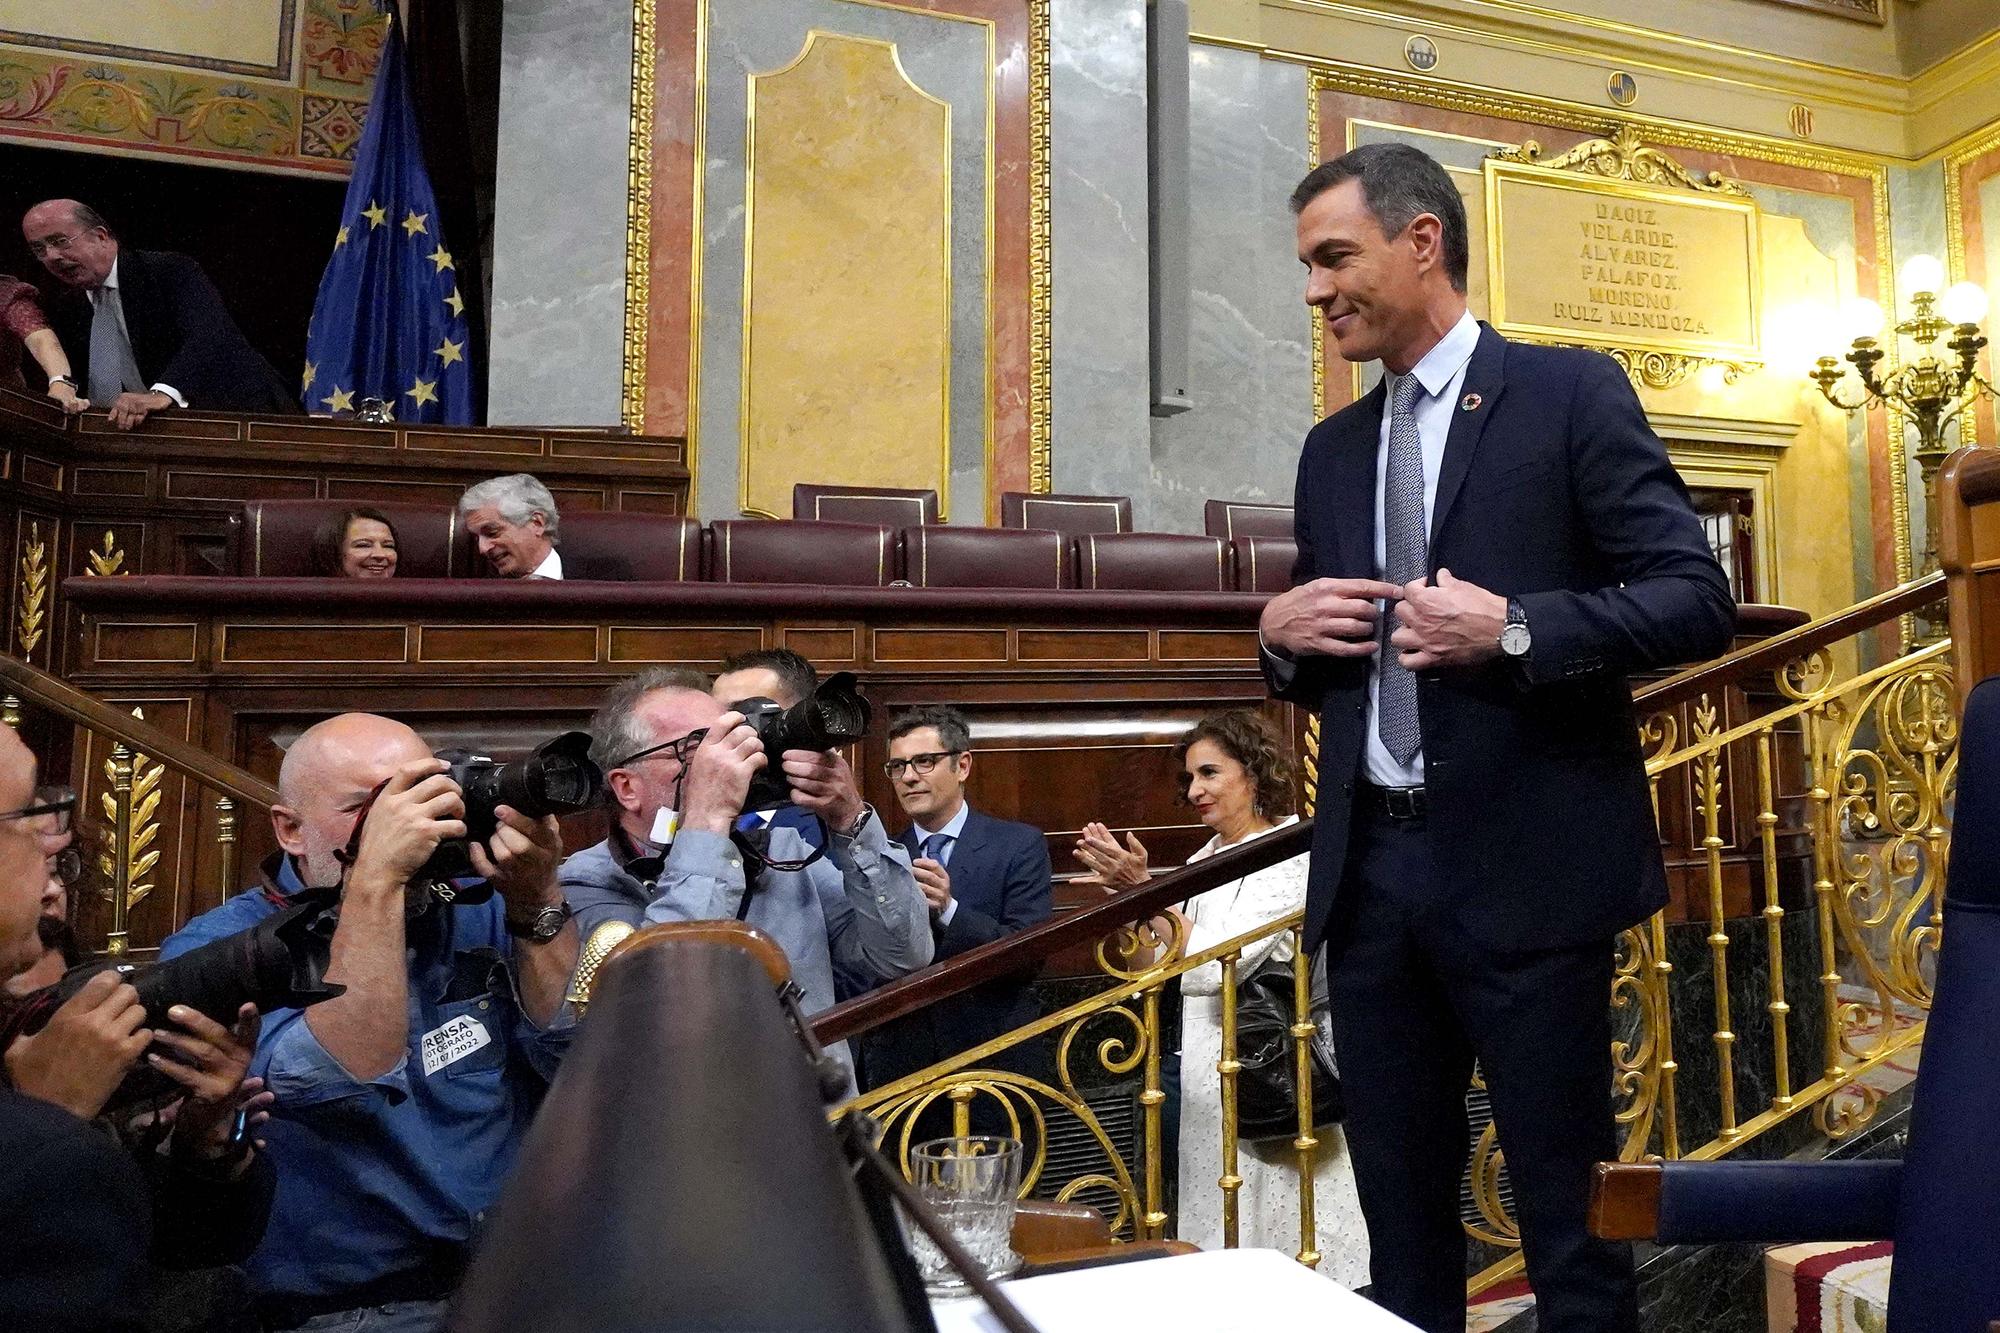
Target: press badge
452,1041
665,825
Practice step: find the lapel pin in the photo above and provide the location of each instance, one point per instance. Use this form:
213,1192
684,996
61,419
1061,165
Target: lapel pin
1470,403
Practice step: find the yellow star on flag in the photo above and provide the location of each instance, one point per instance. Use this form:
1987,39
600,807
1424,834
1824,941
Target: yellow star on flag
451,351
456,302
423,391
340,238
376,214
311,371
414,223
341,400
441,257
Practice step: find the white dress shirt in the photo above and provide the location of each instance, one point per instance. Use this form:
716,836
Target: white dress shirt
1441,373
124,331
551,566
953,828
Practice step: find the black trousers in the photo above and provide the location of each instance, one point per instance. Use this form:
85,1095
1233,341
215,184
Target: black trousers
1415,1001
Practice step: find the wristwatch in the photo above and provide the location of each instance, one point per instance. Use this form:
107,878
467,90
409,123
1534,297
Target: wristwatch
62,379
1515,641
543,926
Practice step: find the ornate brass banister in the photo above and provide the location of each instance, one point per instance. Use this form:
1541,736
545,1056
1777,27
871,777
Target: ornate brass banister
46,691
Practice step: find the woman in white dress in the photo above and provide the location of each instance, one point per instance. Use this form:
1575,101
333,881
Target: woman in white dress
1236,772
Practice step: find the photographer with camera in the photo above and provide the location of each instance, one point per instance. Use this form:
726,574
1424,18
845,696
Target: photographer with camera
400,1103
680,769
81,1216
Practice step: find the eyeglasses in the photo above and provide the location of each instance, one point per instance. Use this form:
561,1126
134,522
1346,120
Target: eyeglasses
53,244
923,763
66,867
56,802
678,750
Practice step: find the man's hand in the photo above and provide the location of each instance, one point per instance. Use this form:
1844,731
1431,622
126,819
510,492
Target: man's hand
1450,623
214,1065
520,860
129,409
1327,617
1111,866
822,784
419,808
934,880
81,1057
719,773
68,400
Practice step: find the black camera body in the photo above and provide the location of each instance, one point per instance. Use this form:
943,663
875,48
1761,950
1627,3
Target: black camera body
834,715
558,778
279,963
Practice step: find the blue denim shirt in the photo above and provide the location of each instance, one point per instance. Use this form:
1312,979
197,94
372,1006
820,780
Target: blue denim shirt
374,1176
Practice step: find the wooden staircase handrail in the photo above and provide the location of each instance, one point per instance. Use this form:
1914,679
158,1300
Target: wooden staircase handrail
1766,655
40,688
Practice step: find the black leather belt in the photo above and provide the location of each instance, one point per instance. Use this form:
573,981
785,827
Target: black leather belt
1395,802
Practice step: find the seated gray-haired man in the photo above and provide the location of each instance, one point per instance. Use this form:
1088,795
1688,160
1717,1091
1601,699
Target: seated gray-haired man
678,767
514,520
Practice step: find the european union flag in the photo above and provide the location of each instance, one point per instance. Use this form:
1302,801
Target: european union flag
389,322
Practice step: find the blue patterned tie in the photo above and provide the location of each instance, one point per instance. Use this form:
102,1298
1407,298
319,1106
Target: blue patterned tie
1403,560
934,846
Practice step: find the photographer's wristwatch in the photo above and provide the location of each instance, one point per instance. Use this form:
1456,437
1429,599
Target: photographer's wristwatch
1515,641
543,926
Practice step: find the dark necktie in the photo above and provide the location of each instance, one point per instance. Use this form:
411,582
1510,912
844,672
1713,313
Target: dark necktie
934,846
1403,560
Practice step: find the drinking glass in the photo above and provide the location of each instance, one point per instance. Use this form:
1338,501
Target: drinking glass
970,1183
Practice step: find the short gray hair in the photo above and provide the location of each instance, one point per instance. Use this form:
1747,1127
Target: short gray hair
614,734
518,496
1400,183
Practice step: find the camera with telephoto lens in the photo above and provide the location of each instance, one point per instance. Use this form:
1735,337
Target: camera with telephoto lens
279,963
558,778
834,715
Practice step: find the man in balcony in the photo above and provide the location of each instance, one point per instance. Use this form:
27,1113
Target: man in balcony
400,1103
145,329
1489,542
678,765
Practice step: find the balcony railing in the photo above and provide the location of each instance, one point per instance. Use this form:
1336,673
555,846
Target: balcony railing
1809,837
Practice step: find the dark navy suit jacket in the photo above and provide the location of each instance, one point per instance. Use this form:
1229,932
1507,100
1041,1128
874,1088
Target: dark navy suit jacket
1554,490
1000,878
181,335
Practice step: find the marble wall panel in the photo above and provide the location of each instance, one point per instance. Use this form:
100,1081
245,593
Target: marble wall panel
559,213
1100,390
1250,363
949,58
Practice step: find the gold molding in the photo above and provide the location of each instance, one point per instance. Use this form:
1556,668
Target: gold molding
1324,76
1861,11
1041,291
1623,156
1960,156
639,223
34,590
110,560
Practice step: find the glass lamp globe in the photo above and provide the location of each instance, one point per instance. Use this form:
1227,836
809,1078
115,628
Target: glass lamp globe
1964,303
1860,317
1923,273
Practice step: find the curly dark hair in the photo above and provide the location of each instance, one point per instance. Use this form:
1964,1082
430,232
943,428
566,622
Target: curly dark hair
1254,741
329,540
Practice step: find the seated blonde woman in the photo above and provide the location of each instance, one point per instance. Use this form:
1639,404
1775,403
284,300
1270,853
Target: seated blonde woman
1236,771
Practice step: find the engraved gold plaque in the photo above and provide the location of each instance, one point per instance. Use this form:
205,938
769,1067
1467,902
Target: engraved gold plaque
1577,258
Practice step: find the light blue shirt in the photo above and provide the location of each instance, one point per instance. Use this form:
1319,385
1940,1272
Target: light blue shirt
953,827
1441,373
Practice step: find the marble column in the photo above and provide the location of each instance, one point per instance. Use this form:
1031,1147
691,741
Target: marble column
559,213
1250,363
1098,218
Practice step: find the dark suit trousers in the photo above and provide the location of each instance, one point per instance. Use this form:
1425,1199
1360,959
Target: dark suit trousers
1415,1001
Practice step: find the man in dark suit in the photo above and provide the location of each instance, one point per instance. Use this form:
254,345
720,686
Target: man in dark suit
146,330
1488,543
985,878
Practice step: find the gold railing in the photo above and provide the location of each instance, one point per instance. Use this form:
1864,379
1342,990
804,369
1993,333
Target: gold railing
129,818
1875,749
